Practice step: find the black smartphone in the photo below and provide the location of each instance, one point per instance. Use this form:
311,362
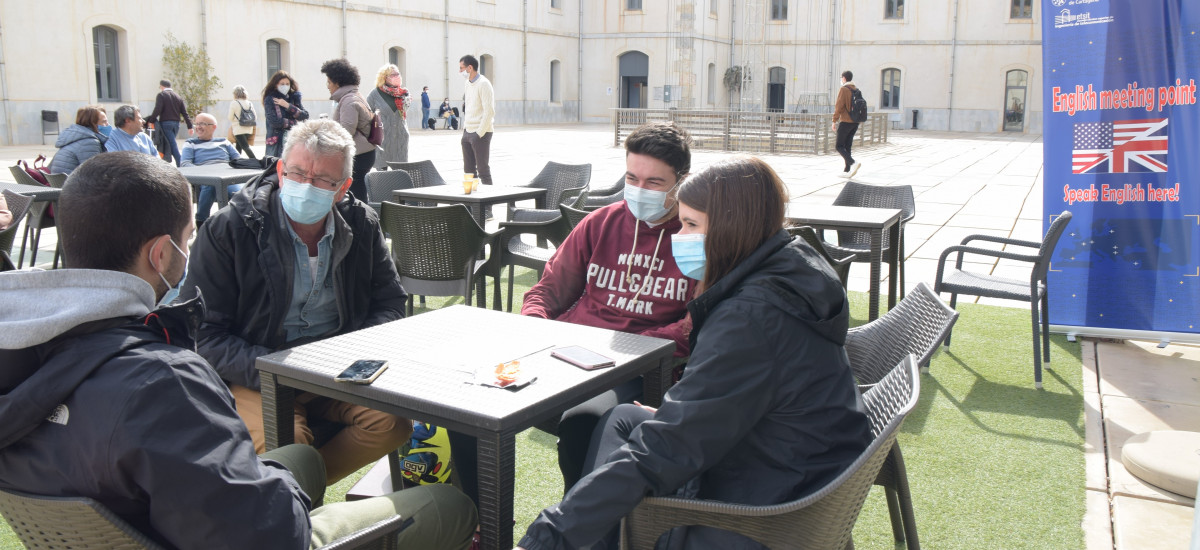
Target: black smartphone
583,358
363,371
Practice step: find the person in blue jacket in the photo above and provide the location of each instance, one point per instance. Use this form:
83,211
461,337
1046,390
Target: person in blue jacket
82,140
767,410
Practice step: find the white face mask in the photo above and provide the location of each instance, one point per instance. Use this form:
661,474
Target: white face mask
465,74
284,89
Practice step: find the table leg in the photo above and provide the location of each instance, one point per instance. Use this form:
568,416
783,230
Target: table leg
278,418
222,194
497,469
876,261
893,272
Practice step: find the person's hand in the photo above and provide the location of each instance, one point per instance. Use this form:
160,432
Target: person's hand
191,131
282,102
833,126
647,407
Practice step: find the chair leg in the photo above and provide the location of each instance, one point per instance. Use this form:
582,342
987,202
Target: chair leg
1046,326
1037,353
409,306
24,241
37,239
58,255
904,495
510,287
893,503
953,301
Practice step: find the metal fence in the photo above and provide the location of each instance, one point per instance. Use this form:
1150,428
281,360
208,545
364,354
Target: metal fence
753,132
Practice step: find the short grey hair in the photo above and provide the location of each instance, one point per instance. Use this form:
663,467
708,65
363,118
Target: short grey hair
323,138
123,114
239,92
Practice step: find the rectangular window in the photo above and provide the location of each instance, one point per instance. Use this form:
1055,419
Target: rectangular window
555,86
108,74
712,8
893,9
274,58
1022,9
633,5
889,94
712,84
555,4
779,10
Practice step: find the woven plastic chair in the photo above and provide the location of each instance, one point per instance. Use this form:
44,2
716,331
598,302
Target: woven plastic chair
43,522
437,250
517,252
19,205
422,172
822,520
956,281
604,196
857,244
57,180
841,267
381,183
916,326
38,219
558,180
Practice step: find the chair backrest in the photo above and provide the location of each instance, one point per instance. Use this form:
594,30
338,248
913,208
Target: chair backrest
23,177
557,178
1046,251
875,196
810,236
49,122
57,180
422,172
915,326
438,243
599,198
380,185
18,204
68,522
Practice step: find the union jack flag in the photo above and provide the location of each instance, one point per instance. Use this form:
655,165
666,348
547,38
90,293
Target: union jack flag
1120,146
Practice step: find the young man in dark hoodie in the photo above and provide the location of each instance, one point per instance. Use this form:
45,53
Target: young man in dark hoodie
103,396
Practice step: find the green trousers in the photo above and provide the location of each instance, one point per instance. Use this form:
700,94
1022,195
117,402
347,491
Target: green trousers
442,517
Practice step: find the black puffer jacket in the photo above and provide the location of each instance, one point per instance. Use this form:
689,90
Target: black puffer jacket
766,412
243,260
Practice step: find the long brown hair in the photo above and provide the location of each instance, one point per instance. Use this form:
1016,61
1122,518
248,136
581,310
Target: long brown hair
745,202
274,82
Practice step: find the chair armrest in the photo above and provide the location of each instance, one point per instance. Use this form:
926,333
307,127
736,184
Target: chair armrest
370,534
1001,240
963,250
549,230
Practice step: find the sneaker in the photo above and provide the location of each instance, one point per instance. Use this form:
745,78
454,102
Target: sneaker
854,169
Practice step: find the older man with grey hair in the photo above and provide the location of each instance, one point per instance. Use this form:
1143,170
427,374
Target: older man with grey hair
294,258
127,134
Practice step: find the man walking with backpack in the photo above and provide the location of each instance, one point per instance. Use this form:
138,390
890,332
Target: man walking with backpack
849,110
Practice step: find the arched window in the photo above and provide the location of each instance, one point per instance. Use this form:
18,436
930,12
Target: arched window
555,82
108,63
889,93
634,69
397,57
486,67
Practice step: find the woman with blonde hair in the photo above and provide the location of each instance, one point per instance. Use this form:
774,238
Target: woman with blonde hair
767,410
82,140
390,99
238,111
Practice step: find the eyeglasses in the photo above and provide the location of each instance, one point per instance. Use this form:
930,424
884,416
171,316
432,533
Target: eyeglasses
205,124
304,177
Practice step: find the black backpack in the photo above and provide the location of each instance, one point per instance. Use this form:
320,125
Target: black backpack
858,106
246,117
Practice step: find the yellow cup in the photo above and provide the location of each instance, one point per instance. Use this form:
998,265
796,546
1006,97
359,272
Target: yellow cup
468,186
475,185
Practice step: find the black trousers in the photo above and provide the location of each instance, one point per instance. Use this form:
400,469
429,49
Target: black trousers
243,145
845,138
477,152
362,165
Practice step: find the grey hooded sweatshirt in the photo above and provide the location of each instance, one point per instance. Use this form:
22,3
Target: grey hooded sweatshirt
102,397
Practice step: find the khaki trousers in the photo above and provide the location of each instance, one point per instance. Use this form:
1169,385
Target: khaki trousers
367,436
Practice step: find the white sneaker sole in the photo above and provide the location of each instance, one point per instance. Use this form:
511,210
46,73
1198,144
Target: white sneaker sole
854,169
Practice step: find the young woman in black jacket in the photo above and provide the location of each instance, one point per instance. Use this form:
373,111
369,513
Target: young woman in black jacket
283,109
766,411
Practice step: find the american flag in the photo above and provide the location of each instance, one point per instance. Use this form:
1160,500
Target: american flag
1119,147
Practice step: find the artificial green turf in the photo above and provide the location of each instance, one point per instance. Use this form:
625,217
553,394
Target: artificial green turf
993,462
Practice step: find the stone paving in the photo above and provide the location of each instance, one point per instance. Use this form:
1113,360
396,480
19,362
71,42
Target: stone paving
964,184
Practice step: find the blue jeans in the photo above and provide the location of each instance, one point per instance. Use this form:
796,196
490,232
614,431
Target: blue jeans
170,129
424,117
208,195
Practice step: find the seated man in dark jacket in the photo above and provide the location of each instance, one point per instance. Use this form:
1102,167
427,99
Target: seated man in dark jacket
103,397
294,259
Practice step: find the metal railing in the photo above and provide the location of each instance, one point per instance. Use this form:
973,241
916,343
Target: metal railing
753,132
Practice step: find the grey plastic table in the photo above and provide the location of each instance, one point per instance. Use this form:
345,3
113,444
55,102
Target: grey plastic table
478,202
858,218
432,359
39,193
220,176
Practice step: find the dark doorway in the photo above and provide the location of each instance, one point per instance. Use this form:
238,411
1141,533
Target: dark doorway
634,71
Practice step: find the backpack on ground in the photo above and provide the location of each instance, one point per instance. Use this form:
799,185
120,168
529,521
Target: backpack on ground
247,117
858,106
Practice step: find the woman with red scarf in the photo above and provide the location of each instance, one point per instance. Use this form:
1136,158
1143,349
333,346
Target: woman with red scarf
390,99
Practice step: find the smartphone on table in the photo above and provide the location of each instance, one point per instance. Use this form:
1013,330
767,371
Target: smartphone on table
363,371
582,357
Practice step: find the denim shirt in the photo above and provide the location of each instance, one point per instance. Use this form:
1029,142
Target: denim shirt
313,311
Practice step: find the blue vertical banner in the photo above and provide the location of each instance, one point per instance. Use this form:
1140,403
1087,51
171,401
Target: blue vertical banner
1121,152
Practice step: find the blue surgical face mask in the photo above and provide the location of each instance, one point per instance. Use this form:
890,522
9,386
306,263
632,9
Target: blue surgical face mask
646,204
688,251
104,129
305,203
173,291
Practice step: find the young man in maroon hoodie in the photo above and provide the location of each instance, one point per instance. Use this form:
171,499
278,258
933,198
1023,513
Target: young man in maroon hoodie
614,271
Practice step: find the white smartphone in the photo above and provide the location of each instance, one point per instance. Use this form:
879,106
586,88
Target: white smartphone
363,371
583,358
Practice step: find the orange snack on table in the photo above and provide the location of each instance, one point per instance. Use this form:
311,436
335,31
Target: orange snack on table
507,373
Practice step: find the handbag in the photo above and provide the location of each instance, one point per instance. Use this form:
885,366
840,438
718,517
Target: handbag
376,135
247,117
